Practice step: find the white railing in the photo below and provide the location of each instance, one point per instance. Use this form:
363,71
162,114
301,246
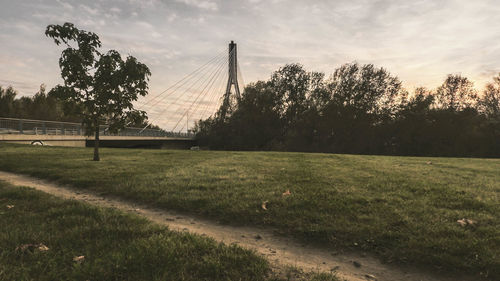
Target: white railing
42,127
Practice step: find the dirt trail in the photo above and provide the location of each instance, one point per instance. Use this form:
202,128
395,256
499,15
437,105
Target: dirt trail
278,249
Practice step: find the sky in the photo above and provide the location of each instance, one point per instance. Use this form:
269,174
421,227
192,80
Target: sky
420,41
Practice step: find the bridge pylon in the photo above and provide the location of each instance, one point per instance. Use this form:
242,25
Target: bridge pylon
233,68
232,82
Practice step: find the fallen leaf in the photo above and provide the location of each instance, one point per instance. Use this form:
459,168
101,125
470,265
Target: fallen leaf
32,247
79,259
264,207
464,222
42,247
370,277
287,192
10,206
470,222
26,247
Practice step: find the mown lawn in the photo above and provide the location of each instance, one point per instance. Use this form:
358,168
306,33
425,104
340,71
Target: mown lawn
403,209
41,237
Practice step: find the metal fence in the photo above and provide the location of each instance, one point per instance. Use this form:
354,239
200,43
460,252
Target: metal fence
41,127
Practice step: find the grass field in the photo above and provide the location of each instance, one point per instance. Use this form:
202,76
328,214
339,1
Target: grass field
403,209
114,246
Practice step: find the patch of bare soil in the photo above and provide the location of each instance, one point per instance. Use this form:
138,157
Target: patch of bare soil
279,250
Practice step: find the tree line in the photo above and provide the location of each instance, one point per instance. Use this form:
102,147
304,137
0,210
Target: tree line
47,106
40,106
359,109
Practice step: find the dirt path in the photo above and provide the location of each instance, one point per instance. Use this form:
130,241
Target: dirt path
277,249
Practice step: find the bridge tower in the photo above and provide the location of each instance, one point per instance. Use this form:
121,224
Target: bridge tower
233,68
229,103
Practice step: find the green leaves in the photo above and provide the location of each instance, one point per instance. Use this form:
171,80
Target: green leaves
88,42
104,85
120,83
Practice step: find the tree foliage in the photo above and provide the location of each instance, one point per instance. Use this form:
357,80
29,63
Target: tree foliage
40,106
457,93
489,103
46,106
103,84
359,109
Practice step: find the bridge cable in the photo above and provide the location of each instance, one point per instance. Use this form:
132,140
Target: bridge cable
240,77
190,75
205,82
209,85
210,100
213,95
222,89
200,102
175,101
174,92
213,99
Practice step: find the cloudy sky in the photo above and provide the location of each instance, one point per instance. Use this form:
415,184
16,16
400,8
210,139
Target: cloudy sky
420,41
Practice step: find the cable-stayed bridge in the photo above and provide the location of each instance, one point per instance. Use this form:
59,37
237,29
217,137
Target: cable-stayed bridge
197,95
212,88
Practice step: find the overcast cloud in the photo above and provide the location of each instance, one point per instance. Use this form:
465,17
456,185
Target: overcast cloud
420,41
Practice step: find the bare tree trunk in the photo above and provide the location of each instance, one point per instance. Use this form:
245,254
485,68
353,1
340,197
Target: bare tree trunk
96,143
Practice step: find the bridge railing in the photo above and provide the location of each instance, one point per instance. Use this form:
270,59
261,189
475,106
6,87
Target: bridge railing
42,127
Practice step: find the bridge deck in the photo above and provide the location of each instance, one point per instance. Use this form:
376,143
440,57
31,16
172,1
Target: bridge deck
104,141
72,134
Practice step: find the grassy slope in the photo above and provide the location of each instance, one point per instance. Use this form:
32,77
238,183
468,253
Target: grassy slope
400,208
116,246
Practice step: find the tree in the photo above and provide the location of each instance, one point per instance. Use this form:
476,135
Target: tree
360,109
7,97
365,88
294,89
363,98
104,85
40,106
489,103
291,85
456,93
413,124
256,123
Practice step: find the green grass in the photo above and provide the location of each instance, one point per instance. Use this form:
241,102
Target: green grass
116,246
399,208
